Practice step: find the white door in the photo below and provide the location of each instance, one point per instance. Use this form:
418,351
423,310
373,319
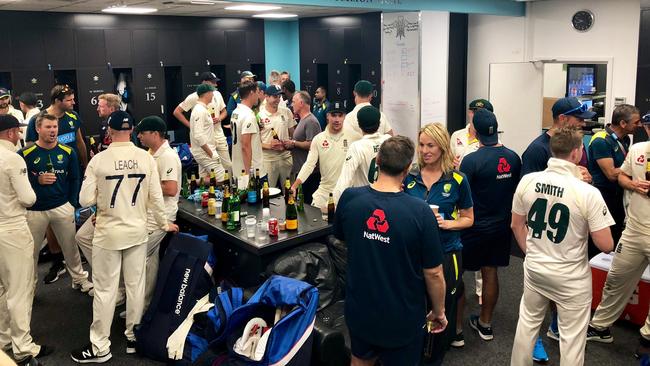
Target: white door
515,91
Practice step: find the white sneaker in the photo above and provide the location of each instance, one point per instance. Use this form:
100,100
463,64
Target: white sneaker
85,286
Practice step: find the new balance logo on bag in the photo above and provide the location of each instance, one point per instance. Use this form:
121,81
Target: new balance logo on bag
181,293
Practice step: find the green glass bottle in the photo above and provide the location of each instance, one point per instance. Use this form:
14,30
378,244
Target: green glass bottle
185,186
300,202
49,166
234,222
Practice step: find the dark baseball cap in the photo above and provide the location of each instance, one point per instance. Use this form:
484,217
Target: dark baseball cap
273,90
337,107
486,126
120,121
368,118
151,123
28,98
261,86
209,76
481,103
204,88
7,121
4,93
571,106
363,87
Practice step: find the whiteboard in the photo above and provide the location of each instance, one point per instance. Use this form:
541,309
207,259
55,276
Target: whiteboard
515,91
400,72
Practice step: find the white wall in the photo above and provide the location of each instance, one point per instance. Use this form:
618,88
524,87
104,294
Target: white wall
546,33
554,81
434,59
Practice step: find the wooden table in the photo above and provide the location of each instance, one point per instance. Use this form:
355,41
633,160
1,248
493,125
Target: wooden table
243,259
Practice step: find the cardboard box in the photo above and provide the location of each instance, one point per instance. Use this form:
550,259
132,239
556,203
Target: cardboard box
547,114
636,310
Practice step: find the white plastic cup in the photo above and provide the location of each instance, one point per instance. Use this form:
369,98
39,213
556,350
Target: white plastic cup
434,208
251,223
218,209
266,215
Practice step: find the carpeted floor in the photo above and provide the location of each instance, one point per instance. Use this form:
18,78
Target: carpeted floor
62,316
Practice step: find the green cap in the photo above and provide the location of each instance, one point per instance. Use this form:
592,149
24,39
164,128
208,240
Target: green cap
481,103
204,88
151,123
368,118
363,88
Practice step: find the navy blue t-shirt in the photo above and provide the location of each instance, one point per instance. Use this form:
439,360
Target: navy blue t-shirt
391,239
69,123
450,193
535,158
605,144
493,174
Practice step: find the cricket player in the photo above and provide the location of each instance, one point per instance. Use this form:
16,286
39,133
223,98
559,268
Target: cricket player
275,118
328,150
247,144
363,93
359,168
202,135
464,141
553,213
633,250
123,182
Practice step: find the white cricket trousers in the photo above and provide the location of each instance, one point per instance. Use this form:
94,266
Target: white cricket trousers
207,163
277,170
61,219
572,323
631,259
84,239
17,291
224,155
107,265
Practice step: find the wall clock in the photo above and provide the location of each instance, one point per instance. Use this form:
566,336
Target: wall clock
582,20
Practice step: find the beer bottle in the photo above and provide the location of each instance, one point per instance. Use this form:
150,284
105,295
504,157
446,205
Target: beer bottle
185,186
211,193
225,206
275,134
301,199
94,146
257,179
193,185
287,190
201,184
243,190
233,215
291,215
330,209
226,178
213,178
265,196
49,167
252,189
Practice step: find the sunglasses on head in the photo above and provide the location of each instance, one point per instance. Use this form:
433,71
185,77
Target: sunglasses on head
64,90
580,108
645,119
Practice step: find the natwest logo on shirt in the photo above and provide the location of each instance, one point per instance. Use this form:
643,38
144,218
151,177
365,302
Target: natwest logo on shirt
377,222
325,144
640,160
504,169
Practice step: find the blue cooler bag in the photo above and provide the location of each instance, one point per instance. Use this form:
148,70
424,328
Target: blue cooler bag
289,340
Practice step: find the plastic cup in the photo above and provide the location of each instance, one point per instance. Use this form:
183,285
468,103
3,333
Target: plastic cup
251,223
434,208
197,204
218,209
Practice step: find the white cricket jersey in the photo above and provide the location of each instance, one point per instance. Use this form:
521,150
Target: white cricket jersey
201,129
562,210
169,169
329,152
123,182
359,167
16,192
459,140
242,122
351,124
31,113
636,164
215,107
281,121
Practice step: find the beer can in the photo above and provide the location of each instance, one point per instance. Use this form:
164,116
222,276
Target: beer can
204,199
273,226
212,207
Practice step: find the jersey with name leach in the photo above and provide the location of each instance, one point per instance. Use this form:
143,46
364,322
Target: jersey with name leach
65,165
493,173
69,123
391,239
561,211
123,181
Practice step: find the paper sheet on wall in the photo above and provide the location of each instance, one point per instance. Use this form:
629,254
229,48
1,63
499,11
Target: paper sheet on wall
400,72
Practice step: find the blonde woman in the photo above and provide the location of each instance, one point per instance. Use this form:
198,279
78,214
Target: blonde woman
434,180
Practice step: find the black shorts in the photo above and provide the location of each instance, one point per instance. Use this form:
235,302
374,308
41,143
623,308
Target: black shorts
486,249
408,355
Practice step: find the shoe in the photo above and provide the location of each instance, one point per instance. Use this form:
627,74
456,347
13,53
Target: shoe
30,361
458,341
539,353
602,336
86,355
553,334
45,351
57,269
130,347
85,286
484,332
643,349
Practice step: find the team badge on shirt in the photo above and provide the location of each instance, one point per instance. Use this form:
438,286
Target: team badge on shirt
59,158
640,160
377,224
446,190
459,142
325,144
503,168
71,124
345,143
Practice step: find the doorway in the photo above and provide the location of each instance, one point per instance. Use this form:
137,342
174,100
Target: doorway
173,96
